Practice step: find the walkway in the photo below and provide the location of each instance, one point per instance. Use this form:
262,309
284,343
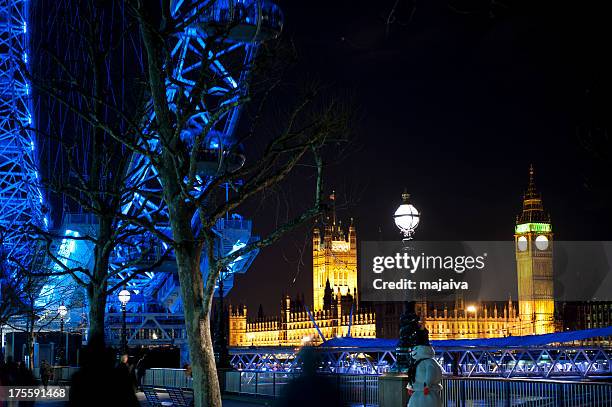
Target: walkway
228,401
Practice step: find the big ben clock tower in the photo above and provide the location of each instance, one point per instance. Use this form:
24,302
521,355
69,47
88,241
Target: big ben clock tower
534,248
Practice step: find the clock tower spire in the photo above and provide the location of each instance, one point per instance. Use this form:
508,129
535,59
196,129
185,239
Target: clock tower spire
533,246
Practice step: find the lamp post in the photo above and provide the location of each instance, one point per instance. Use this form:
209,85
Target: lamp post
406,217
62,311
124,298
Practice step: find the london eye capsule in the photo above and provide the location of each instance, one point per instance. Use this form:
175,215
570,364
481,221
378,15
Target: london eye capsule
240,20
214,158
236,27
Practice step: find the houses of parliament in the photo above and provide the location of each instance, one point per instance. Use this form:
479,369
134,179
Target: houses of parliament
337,310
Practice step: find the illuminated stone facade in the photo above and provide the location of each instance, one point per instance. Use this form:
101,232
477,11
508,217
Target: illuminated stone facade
481,320
335,295
294,327
536,307
534,262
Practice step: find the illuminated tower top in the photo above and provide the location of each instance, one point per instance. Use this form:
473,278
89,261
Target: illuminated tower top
533,218
534,262
334,255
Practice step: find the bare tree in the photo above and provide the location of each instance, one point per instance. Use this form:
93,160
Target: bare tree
29,303
298,138
88,99
10,301
167,134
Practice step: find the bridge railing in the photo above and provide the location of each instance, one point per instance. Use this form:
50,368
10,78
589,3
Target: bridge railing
541,362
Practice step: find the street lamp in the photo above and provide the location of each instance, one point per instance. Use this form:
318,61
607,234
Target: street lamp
406,217
62,311
124,298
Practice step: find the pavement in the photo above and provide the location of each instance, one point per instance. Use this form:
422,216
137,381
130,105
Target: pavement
228,401
241,401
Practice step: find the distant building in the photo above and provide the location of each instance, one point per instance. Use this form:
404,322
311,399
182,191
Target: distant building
337,305
534,312
588,315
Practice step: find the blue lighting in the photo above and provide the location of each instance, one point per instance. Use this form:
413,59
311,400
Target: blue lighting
20,198
67,248
264,20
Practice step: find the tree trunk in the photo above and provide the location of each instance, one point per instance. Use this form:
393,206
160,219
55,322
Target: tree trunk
197,322
206,374
30,342
97,307
96,291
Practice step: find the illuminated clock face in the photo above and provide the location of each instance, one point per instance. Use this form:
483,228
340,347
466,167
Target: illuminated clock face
541,242
522,243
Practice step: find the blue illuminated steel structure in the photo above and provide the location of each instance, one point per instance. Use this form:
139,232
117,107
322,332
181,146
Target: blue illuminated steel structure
228,59
197,49
21,200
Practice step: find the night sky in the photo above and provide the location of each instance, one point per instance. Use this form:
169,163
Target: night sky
453,101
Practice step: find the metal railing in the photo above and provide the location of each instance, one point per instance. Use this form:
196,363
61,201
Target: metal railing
457,392
462,392
542,362
354,389
360,389
165,377
59,374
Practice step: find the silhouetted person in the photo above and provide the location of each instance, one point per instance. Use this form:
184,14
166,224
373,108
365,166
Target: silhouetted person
25,377
98,382
46,371
4,381
309,389
141,370
126,371
11,371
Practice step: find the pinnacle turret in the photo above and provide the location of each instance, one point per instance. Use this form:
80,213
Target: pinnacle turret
533,209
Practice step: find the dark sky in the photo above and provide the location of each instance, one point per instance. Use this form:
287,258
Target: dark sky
453,105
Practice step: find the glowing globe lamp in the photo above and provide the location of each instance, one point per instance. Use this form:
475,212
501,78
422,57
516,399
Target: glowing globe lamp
406,217
124,296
